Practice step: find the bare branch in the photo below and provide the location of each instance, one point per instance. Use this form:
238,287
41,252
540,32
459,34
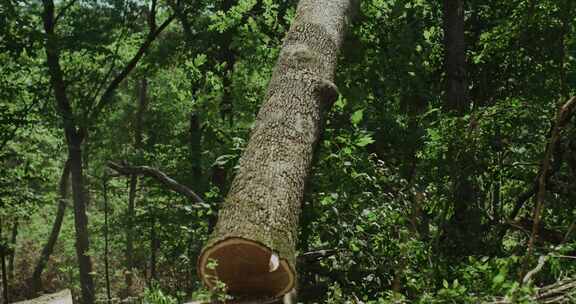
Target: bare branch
317,255
109,92
541,261
540,182
562,118
100,84
64,9
160,177
152,16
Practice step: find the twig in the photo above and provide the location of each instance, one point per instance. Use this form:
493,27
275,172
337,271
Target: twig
569,231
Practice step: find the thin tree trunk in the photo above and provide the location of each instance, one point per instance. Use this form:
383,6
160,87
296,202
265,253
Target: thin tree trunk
254,240
106,266
566,27
154,244
74,138
227,103
3,251
12,256
142,107
463,231
85,166
196,152
455,57
195,119
414,105
5,294
139,123
130,233
227,56
218,178
36,279
81,219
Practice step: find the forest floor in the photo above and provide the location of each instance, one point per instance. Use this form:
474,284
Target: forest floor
62,297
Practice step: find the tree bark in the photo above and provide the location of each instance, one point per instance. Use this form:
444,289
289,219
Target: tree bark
465,225
36,279
254,240
81,219
455,57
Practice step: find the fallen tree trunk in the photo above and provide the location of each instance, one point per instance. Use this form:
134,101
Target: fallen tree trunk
253,243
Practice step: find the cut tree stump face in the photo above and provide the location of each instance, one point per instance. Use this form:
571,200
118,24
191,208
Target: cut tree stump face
247,268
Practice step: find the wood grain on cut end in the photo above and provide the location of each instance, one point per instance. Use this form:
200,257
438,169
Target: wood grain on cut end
245,267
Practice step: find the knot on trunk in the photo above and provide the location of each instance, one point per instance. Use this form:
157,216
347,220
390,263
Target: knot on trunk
327,91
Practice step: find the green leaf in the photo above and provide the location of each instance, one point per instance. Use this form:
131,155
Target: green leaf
364,141
223,160
356,118
200,60
498,279
354,247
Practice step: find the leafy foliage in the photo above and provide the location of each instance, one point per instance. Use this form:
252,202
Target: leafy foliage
381,195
